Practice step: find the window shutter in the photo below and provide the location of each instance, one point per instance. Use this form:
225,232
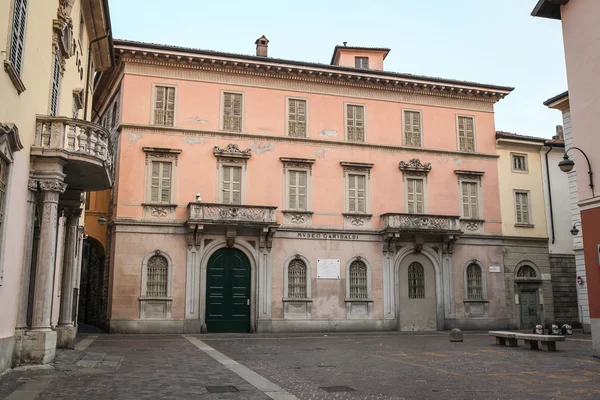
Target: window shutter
293,188
159,105
465,200
17,41
165,185
232,112
297,118
350,122
170,109
55,85
236,186
360,194
226,185
352,193
419,196
155,184
410,193
474,200
302,185
412,128
466,134
355,123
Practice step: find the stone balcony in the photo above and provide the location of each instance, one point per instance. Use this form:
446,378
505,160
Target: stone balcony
83,145
422,224
231,214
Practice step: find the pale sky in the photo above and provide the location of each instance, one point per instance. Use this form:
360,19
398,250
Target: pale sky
487,41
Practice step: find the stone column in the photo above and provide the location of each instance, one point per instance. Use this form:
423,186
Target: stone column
39,347
66,329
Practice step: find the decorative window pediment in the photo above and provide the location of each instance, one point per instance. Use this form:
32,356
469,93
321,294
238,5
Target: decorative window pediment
162,153
364,168
469,175
415,167
63,28
10,141
304,163
232,151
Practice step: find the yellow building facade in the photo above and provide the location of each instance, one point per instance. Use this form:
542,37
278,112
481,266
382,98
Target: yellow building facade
49,156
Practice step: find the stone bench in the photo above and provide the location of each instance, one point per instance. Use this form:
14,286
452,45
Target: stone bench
504,338
548,341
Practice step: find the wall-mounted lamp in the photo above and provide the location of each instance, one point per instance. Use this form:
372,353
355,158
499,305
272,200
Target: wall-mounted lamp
102,220
574,231
566,165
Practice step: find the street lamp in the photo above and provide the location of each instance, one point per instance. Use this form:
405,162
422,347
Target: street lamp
566,165
102,220
574,231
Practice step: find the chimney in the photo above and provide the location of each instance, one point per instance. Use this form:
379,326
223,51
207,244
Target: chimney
559,133
262,46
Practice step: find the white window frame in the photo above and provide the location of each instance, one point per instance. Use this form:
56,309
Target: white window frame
405,179
404,111
297,164
222,110
155,154
512,163
153,104
360,169
474,132
165,301
529,223
225,162
287,115
364,106
356,58
470,177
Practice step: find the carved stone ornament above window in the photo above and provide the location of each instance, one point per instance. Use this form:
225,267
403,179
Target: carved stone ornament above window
232,151
356,167
415,166
469,175
159,152
357,221
289,162
63,28
78,98
10,141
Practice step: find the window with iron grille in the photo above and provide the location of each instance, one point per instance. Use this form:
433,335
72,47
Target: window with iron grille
414,195
357,193
412,128
55,85
232,111
361,62
519,162
231,191
466,133
355,122
297,118
358,280
522,208
17,39
526,271
474,282
297,189
164,106
470,200
157,276
160,187
416,281
297,279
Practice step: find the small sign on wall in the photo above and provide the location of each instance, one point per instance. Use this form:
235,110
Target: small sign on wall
328,269
495,268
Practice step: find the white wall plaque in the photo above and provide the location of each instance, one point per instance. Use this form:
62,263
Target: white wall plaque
546,277
328,269
495,268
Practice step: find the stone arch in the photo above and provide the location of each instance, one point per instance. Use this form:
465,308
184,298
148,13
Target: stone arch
250,253
483,278
91,301
526,264
432,257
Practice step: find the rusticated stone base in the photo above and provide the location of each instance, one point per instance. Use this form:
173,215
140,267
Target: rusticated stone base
65,336
7,346
38,347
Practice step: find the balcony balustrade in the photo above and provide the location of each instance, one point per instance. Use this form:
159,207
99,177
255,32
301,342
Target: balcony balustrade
231,214
421,223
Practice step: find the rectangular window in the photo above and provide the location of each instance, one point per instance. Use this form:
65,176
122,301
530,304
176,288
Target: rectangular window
412,128
55,85
232,185
356,193
17,40
519,162
297,182
232,112
414,192
470,200
466,133
164,106
361,62
355,122
160,189
296,118
522,208
81,29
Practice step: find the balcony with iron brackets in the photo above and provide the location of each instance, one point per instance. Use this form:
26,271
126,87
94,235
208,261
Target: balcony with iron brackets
446,227
84,146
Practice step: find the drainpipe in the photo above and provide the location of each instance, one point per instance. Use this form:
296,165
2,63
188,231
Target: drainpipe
550,193
87,78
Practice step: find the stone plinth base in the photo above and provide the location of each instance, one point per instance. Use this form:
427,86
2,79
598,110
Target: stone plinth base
7,345
65,336
38,347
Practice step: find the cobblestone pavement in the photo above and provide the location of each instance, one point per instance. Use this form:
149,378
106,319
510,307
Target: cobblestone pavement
372,366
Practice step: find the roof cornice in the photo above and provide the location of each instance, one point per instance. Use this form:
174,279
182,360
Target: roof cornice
284,69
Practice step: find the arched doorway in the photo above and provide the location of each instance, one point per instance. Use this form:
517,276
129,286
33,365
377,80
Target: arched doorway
228,277
91,286
417,309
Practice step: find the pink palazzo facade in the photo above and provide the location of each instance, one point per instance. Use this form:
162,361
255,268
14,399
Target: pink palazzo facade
255,194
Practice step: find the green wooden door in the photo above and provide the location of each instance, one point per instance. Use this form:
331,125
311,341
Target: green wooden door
228,292
529,310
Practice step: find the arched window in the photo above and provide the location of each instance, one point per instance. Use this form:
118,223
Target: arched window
416,281
297,279
474,282
157,276
526,271
358,280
